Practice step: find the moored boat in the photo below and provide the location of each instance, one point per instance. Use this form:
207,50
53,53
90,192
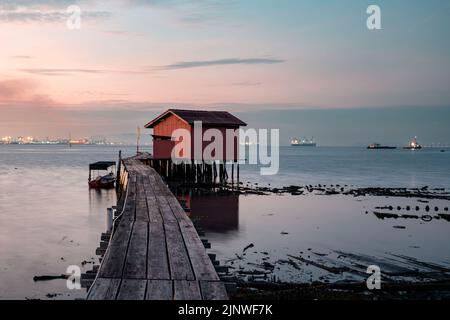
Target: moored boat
102,181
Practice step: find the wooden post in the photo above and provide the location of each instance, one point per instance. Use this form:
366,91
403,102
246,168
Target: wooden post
119,164
221,174
203,171
169,169
109,219
232,173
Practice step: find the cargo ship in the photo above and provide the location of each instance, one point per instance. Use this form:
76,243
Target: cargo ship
375,146
303,142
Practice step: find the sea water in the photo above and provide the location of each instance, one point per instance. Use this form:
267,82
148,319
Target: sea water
49,219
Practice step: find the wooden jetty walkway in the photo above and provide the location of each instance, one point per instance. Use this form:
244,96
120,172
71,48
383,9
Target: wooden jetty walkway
154,252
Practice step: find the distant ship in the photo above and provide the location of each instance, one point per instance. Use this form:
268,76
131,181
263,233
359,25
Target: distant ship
379,146
79,141
303,142
413,145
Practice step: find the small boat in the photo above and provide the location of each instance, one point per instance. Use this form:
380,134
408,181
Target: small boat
102,181
413,145
374,146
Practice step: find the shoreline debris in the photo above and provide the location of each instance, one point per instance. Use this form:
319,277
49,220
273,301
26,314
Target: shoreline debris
49,277
251,245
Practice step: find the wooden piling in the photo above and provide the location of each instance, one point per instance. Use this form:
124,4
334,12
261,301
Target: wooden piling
232,172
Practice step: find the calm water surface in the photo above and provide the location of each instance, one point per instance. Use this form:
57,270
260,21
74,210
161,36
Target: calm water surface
358,166
49,219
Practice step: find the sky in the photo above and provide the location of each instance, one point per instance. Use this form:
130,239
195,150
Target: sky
308,68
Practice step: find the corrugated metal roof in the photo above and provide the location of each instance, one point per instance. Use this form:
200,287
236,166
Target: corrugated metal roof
211,118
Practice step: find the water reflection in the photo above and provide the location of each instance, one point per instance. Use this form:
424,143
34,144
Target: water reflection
212,212
99,201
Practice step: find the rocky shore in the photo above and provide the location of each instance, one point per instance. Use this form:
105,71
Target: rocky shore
337,189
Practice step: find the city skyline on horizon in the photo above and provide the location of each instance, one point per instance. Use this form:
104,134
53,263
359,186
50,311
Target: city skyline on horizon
339,127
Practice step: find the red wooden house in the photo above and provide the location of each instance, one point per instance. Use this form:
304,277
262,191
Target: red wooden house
164,125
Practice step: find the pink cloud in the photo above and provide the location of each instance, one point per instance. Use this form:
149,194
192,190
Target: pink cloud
21,91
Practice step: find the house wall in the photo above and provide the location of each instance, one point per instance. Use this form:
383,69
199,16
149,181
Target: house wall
168,125
234,154
162,149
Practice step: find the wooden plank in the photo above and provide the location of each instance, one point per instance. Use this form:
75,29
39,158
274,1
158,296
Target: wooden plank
159,187
153,210
177,210
159,290
180,266
104,289
155,187
152,203
148,186
203,268
141,202
158,263
136,261
122,233
213,290
186,290
113,263
165,210
132,289
141,210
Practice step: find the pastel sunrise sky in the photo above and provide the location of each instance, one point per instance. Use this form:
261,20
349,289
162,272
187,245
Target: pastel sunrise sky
301,66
